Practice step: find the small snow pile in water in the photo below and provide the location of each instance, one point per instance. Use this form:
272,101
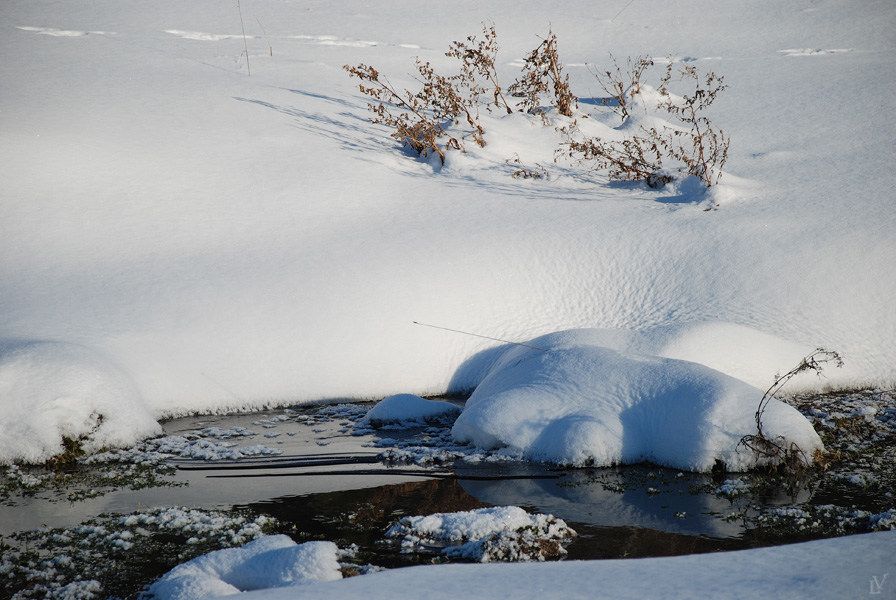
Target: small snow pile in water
408,410
273,561
506,533
50,391
578,403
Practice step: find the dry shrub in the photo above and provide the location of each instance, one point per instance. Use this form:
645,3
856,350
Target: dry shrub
543,75
478,63
691,140
775,450
635,158
623,88
702,149
420,119
524,172
412,120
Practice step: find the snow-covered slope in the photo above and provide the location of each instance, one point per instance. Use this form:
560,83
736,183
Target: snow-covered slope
214,240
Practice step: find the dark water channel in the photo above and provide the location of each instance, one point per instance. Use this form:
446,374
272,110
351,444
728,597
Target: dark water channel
329,482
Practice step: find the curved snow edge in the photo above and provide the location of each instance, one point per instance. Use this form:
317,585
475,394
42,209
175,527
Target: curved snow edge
581,404
52,391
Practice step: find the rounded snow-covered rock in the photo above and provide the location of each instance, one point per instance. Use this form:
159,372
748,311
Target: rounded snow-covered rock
52,390
578,403
268,562
408,409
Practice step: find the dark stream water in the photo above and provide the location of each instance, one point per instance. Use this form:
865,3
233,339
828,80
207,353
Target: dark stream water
329,484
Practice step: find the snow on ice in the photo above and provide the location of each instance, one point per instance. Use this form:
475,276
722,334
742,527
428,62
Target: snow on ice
407,409
505,533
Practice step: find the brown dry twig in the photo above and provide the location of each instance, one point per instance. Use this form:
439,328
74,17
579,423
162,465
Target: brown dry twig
776,450
543,75
702,149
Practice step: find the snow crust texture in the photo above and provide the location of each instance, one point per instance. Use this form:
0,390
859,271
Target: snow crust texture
574,402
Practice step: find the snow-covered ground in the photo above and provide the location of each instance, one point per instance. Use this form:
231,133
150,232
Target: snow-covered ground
186,237
848,567
178,236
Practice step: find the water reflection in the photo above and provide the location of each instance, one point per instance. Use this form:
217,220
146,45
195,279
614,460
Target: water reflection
619,498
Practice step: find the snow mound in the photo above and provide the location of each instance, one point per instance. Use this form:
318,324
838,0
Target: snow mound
579,403
50,391
408,409
269,562
505,533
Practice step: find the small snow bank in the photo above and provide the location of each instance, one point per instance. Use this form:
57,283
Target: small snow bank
846,567
269,562
504,533
579,403
409,410
54,390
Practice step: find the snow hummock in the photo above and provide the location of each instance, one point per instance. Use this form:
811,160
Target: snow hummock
269,562
408,409
52,391
562,398
487,534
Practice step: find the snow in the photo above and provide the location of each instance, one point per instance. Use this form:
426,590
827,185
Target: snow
268,562
836,568
183,237
53,390
178,237
505,533
408,409
465,525
573,401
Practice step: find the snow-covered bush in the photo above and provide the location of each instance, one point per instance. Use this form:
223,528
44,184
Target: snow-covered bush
689,139
421,119
621,88
543,76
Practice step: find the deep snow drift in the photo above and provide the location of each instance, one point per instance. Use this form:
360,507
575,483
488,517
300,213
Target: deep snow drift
193,238
573,401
